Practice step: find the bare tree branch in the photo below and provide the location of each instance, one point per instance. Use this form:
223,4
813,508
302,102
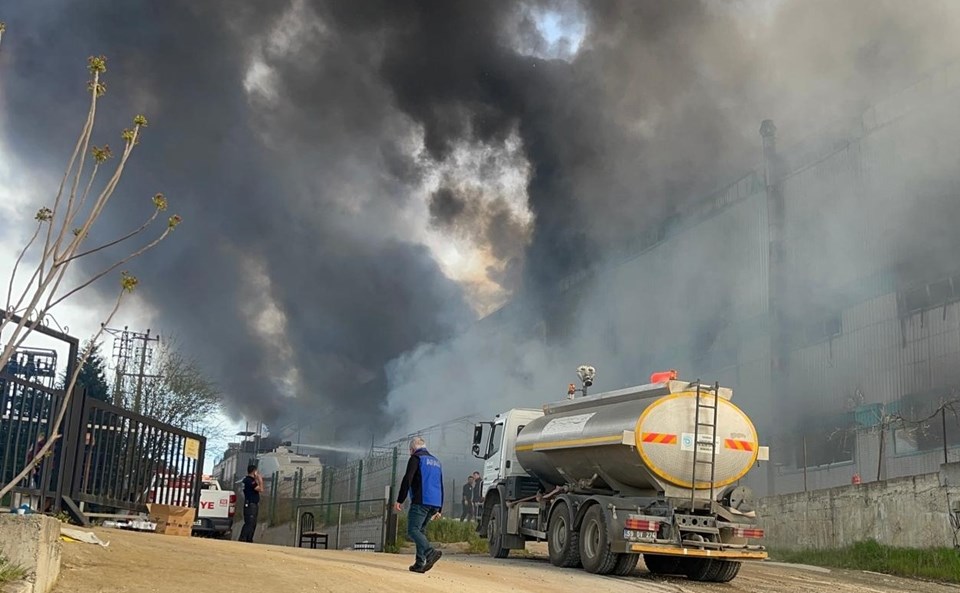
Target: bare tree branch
16,265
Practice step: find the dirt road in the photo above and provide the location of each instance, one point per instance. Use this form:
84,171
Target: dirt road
145,563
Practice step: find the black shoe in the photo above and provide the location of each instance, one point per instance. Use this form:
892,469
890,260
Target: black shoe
417,567
432,559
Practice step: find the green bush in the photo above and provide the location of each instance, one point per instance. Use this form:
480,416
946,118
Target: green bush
942,564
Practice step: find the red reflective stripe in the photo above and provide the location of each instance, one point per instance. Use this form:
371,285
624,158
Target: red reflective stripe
659,437
738,444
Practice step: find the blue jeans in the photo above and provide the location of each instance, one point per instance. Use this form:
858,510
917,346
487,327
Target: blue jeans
417,520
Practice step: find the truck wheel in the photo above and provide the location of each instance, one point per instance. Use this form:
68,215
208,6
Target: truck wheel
495,534
728,570
700,569
658,564
563,542
595,551
626,564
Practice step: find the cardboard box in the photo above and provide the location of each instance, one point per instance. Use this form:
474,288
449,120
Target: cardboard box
172,520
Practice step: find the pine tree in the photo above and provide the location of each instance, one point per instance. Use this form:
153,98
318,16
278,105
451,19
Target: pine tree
92,376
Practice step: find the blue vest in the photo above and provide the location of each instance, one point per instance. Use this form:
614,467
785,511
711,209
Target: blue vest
431,479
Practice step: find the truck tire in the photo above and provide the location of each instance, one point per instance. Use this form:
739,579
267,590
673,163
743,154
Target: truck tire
658,564
563,542
595,551
700,569
495,533
728,570
626,564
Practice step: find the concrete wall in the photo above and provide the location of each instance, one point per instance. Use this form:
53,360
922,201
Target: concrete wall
32,542
908,512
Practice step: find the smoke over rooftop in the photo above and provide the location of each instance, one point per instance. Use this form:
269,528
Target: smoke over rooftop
360,181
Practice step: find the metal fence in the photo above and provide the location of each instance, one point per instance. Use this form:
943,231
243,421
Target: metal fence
104,456
374,477
126,460
27,412
350,525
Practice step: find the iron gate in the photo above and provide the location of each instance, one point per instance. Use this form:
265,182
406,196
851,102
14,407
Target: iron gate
107,456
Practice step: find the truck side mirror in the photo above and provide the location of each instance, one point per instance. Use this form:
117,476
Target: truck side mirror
477,441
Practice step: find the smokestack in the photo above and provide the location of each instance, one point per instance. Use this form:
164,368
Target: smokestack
775,267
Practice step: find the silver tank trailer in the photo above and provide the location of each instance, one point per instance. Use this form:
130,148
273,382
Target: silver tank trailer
640,440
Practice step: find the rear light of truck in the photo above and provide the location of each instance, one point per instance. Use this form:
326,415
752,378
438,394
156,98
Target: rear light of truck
748,532
233,506
642,525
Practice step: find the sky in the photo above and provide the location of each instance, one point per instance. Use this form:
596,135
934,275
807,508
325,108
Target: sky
361,182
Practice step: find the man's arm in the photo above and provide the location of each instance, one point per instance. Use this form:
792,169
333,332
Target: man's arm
412,465
259,485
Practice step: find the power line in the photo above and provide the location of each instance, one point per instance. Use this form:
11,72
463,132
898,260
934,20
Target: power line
133,353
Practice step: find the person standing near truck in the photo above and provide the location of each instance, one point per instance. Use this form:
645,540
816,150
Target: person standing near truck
423,480
467,500
252,487
477,495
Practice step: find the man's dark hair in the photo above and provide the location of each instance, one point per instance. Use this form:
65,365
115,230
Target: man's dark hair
251,468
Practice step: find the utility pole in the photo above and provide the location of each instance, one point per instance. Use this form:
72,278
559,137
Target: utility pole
131,348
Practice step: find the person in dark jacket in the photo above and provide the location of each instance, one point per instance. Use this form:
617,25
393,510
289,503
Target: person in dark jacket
423,481
467,500
252,487
477,495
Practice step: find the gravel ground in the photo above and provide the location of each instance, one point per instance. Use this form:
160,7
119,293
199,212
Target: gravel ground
145,563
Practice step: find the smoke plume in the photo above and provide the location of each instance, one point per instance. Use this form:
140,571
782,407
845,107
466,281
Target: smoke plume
360,180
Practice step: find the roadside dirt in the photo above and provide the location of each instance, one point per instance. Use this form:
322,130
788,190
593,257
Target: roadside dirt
145,563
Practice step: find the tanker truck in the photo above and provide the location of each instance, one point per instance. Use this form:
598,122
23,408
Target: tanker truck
651,470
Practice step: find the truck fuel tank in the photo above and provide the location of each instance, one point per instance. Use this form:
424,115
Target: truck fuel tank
642,439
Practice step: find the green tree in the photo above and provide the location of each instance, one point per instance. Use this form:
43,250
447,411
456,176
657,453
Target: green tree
92,375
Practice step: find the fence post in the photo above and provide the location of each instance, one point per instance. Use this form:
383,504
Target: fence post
393,477
329,498
359,487
274,494
339,522
297,489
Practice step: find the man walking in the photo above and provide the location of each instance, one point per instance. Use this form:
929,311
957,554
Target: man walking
424,481
252,487
466,498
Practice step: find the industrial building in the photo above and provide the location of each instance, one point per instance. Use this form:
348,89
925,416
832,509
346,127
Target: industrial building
823,287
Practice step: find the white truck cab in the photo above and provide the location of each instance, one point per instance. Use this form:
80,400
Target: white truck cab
500,448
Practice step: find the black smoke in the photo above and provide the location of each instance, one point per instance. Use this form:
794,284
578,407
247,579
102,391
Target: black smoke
295,193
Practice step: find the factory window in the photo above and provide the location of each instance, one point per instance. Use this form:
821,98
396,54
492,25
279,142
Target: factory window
825,442
930,295
922,427
814,329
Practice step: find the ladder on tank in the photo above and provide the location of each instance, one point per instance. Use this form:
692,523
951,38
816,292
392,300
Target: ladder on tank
699,428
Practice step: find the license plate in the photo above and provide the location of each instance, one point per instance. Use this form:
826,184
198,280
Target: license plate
629,534
198,523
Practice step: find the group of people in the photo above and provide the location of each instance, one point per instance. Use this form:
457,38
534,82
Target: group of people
422,482
472,497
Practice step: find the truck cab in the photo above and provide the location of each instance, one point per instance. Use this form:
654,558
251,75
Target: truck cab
496,443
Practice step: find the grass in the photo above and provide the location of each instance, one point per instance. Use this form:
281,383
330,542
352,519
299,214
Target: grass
445,531
939,564
10,572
